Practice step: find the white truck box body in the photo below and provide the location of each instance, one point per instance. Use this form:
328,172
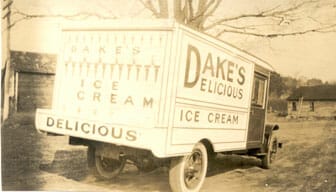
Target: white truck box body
156,85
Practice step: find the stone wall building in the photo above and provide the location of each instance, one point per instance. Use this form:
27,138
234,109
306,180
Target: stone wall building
316,101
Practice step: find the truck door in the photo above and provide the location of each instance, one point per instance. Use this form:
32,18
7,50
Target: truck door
257,111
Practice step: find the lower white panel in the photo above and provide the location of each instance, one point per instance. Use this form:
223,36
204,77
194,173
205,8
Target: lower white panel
192,136
153,139
184,139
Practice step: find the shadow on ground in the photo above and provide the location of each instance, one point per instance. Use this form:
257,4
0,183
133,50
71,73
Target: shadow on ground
158,180
30,159
21,153
225,163
68,163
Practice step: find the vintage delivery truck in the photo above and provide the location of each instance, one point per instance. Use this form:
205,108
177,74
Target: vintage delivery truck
158,93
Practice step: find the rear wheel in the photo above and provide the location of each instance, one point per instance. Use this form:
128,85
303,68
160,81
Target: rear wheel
271,150
102,167
187,173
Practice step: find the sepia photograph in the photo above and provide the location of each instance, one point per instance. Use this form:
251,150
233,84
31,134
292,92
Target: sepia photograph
168,95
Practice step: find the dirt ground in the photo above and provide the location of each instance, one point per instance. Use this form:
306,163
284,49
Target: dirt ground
307,162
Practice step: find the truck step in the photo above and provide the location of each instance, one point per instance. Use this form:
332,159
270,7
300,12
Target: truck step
260,154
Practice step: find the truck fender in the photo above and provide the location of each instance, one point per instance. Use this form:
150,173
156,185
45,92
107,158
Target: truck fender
210,148
268,134
271,127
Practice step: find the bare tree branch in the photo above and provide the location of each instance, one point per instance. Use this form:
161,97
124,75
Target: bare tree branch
149,5
81,15
190,10
196,17
163,6
245,27
207,15
213,8
325,29
271,13
316,21
203,7
178,11
296,7
76,16
204,10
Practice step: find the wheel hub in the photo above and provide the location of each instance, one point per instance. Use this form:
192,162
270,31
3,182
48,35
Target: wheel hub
193,170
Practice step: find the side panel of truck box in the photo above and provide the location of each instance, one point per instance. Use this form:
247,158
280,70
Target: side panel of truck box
212,95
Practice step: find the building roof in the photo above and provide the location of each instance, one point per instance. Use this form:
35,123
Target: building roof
315,93
33,62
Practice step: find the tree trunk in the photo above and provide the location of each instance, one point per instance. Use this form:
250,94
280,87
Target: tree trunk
7,84
178,12
163,6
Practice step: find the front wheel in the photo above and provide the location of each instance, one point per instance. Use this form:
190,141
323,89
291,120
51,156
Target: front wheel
187,173
102,167
271,150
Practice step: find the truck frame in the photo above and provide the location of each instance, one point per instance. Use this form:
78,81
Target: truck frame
158,93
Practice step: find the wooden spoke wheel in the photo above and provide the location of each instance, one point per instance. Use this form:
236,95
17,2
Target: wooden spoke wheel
102,167
187,173
271,150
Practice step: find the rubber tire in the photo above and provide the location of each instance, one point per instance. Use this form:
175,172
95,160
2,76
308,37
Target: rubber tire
176,171
267,160
96,168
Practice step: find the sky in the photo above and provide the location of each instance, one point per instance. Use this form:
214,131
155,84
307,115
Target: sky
311,55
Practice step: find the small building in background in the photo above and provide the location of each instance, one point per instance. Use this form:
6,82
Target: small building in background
34,80
313,102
